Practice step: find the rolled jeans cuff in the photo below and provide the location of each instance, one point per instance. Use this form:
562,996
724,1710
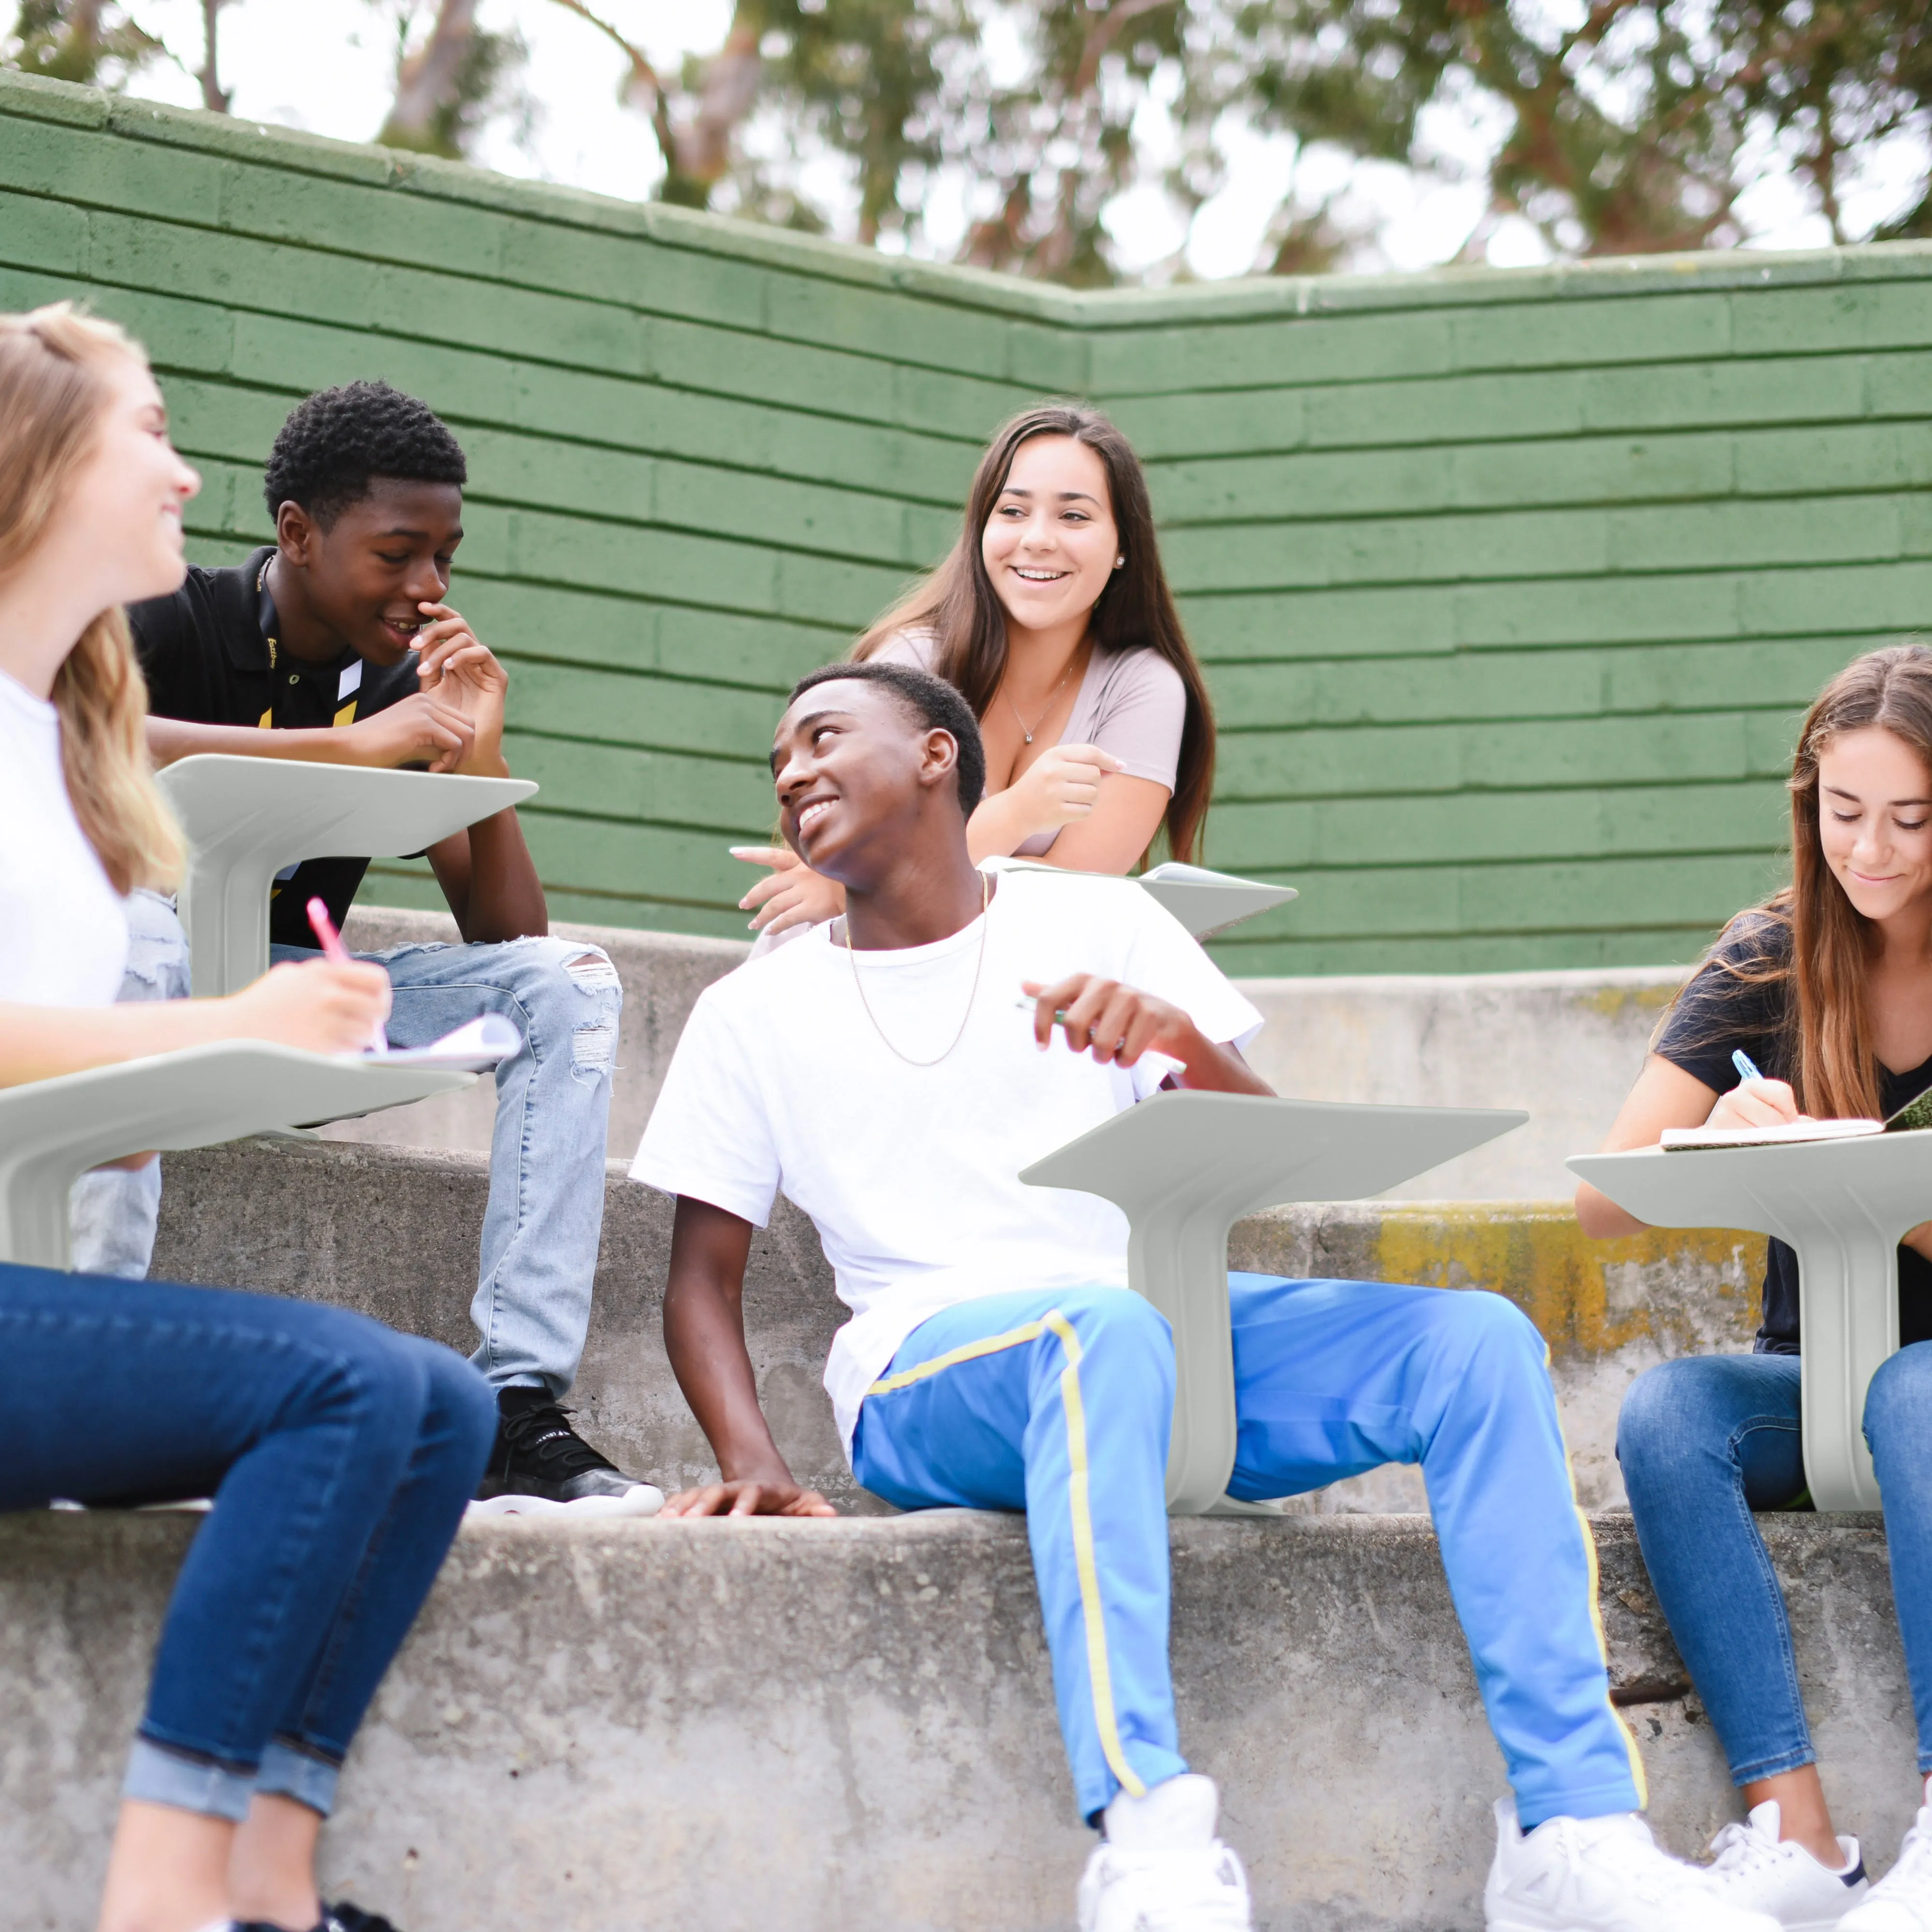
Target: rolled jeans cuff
158,1776
287,1772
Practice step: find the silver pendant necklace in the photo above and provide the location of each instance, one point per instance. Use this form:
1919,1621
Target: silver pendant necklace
985,899
1051,698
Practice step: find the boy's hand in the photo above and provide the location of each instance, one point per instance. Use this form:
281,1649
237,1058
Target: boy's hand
767,1497
414,730
1115,1023
464,676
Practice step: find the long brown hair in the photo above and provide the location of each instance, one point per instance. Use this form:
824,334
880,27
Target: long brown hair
958,604
1832,944
53,393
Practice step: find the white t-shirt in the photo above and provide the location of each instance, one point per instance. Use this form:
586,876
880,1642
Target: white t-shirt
63,929
911,1173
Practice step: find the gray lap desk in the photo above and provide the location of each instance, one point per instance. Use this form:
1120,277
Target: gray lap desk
245,819
52,1132
1184,1167
1842,1205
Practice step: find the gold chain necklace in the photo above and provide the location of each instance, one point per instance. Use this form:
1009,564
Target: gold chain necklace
985,899
1052,696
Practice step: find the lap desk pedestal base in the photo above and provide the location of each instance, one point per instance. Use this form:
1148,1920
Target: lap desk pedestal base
246,819
1842,1205
52,1132
1184,1168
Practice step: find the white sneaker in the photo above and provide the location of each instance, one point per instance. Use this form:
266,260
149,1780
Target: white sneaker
1160,1867
1600,1875
1754,1868
1901,1901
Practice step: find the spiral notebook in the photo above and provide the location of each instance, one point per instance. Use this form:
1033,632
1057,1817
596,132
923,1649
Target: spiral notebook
1914,1116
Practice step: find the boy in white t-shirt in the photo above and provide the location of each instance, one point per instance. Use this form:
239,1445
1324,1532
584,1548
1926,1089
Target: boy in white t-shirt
876,1070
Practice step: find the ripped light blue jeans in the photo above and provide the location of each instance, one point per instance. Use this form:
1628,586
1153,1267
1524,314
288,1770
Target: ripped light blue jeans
545,1215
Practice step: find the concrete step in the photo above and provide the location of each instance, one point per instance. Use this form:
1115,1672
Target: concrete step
1565,1044
393,1231
848,1727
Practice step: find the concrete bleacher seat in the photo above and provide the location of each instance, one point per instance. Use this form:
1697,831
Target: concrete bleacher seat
848,1727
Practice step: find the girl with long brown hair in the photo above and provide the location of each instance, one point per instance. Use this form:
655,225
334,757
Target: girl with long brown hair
1052,617
341,1456
1825,990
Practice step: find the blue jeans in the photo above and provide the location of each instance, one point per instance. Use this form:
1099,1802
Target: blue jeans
1059,1403
1705,1441
114,1212
340,1456
545,1214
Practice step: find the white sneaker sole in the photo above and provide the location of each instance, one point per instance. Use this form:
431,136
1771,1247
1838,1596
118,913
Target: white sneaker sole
641,1499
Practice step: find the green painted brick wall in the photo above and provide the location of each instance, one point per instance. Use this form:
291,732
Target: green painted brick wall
1510,586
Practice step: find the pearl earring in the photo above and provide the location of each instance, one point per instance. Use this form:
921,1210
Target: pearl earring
1118,561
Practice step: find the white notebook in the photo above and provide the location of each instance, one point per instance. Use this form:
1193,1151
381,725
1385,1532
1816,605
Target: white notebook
472,1048
1676,1139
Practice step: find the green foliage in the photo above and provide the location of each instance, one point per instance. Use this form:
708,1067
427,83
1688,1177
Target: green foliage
450,81
87,41
1630,130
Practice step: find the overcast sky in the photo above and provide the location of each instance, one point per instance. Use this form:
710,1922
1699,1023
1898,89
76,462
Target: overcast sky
329,66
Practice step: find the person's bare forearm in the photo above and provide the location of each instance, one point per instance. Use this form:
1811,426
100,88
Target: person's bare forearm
1208,1067
704,1337
1601,1218
505,899
172,738
44,1042
996,830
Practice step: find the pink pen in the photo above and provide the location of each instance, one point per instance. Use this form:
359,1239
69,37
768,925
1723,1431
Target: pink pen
333,949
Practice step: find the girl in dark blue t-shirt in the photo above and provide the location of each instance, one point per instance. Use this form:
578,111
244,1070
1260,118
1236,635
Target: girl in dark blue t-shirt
1827,988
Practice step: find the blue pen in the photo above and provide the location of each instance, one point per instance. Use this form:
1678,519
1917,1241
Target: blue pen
1746,1068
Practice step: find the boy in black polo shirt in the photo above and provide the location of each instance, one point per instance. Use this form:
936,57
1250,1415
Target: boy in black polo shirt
333,644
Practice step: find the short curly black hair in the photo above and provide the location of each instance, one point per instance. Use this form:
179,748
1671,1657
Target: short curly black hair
338,440
930,701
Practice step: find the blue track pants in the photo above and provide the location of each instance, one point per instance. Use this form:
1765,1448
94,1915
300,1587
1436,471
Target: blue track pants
1059,1403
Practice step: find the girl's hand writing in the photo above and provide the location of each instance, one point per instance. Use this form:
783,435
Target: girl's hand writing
1757,1103
317,1005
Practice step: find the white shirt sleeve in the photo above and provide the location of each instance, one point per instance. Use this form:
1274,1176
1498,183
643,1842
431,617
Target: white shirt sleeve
709,1135
1164,959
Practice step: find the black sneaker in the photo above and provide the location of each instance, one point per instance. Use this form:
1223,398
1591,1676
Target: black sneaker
339,1917
541,1465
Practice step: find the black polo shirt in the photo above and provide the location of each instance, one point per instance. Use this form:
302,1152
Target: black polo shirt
1719,1012
210,657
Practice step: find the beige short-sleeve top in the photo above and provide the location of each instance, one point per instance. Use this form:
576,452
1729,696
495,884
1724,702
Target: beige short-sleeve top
1131,702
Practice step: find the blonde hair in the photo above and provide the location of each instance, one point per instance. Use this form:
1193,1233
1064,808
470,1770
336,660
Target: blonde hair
53,394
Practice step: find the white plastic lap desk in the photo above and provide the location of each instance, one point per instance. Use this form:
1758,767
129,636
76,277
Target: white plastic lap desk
246,818
1842,1205
1205,902
53,1131
1184,1168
